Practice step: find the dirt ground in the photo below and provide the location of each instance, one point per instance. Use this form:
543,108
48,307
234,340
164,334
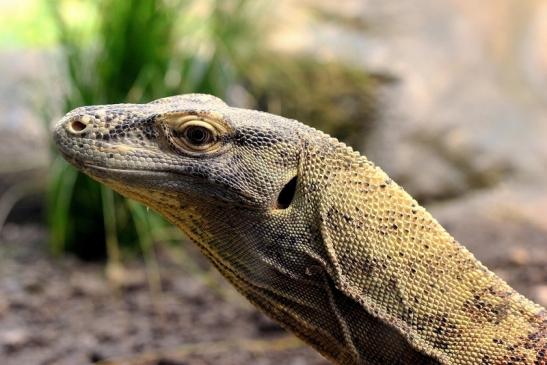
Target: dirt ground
64,311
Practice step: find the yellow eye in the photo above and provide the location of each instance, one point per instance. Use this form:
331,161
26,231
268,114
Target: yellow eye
196,135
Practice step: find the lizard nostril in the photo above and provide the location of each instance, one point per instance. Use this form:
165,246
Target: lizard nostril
77,126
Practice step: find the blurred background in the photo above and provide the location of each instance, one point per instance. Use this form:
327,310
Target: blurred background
449,97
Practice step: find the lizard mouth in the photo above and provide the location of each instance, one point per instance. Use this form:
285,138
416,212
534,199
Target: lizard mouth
109,169
99,171
156,180
144,178
112,172
99,168
71,159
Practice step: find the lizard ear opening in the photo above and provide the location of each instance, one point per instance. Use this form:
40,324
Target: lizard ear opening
286,194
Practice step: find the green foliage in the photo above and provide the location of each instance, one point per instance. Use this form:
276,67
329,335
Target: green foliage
126,57
24,24
60,192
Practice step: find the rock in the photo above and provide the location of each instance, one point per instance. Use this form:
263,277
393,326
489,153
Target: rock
14,339
534,60
85,284
4,306
468,110
25,91
23,133
519,256
461,108
541,294
122,277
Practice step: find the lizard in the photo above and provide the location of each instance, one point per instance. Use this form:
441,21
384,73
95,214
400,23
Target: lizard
309,231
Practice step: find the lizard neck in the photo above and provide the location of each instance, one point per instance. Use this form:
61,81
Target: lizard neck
286,274
389,255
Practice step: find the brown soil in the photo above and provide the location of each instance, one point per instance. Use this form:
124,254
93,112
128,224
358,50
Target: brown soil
64,311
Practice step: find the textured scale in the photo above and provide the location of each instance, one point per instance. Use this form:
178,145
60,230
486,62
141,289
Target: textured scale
353,265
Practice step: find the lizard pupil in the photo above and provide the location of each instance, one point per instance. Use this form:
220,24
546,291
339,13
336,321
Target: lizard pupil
197,135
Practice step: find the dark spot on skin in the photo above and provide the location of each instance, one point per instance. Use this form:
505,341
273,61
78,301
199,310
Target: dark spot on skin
347,218
485,360
368,266
541,356
281,237
439,343
313,270
485,305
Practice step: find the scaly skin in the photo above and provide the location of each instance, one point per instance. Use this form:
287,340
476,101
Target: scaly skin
347,260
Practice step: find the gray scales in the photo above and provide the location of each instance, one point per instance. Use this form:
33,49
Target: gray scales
309,231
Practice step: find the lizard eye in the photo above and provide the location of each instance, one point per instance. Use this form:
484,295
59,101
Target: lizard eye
196,135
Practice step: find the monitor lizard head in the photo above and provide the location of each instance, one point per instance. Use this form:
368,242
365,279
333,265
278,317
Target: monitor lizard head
192,149
232,179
